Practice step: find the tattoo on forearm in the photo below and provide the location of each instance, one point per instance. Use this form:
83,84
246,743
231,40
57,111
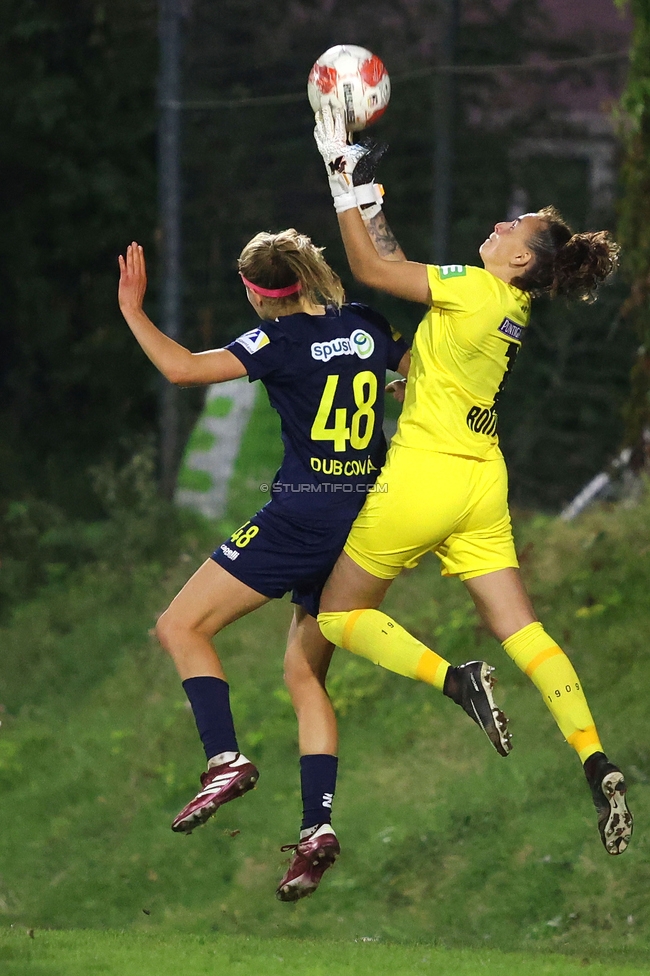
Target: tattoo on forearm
384,239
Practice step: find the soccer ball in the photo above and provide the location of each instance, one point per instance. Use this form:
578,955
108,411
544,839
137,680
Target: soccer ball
352,79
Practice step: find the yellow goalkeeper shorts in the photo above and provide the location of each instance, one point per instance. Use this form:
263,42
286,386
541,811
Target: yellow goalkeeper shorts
426,501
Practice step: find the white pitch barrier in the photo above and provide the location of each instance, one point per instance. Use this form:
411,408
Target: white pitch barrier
213,447
596,487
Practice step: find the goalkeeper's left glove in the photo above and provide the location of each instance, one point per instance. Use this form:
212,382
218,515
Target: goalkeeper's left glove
369,195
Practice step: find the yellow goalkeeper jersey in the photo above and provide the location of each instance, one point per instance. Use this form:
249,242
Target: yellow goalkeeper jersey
463,350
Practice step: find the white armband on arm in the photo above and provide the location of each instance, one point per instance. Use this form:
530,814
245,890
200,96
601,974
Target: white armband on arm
369,199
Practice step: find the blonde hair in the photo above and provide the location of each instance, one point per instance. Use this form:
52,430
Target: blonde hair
280,260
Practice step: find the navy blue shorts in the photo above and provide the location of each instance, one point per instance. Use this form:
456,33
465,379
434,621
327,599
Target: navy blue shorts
274,554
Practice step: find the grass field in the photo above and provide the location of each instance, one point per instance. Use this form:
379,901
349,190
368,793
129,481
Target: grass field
148,954
445,845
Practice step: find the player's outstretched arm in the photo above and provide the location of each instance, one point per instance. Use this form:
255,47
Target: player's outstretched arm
383,238
175,362
405,279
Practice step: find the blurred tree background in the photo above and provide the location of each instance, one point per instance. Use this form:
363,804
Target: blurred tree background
78,98
634,225
77,103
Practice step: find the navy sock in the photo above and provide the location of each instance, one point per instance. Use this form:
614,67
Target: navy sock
210,701
318,782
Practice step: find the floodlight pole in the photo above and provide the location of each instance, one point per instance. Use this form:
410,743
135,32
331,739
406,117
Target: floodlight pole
443,128
169,204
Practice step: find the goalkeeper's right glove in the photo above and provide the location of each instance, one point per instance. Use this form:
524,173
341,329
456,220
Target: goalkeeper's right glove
350,167
339,156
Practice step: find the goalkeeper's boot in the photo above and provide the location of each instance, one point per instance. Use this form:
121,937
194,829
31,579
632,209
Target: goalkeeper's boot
608,791
470,686
219,785
312,856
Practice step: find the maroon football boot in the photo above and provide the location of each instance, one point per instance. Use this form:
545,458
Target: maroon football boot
311,858
220,784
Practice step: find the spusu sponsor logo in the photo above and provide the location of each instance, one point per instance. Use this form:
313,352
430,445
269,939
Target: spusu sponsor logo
359,344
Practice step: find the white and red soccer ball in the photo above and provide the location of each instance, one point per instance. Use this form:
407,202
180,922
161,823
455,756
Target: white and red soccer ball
352,79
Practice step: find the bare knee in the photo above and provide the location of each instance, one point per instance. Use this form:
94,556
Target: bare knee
169,630
296,673
502,602
301,679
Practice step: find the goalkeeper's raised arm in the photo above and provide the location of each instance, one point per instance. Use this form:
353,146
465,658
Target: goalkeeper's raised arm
404,279
375,257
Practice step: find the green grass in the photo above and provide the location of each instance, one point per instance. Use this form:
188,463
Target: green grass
445,844
47,953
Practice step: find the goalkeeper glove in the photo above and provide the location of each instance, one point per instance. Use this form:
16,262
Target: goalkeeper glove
350,168
369,195
339,156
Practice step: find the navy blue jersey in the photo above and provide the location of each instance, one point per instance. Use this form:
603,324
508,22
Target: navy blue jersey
325,376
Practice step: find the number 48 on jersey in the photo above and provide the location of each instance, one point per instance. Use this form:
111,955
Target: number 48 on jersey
362,422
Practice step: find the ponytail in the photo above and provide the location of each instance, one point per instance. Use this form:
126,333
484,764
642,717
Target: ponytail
277,261
568,264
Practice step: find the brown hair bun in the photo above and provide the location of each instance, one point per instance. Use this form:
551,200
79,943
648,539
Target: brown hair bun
568,264
583,263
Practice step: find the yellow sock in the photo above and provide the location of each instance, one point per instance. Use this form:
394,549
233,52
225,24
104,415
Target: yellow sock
551,671
371,634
